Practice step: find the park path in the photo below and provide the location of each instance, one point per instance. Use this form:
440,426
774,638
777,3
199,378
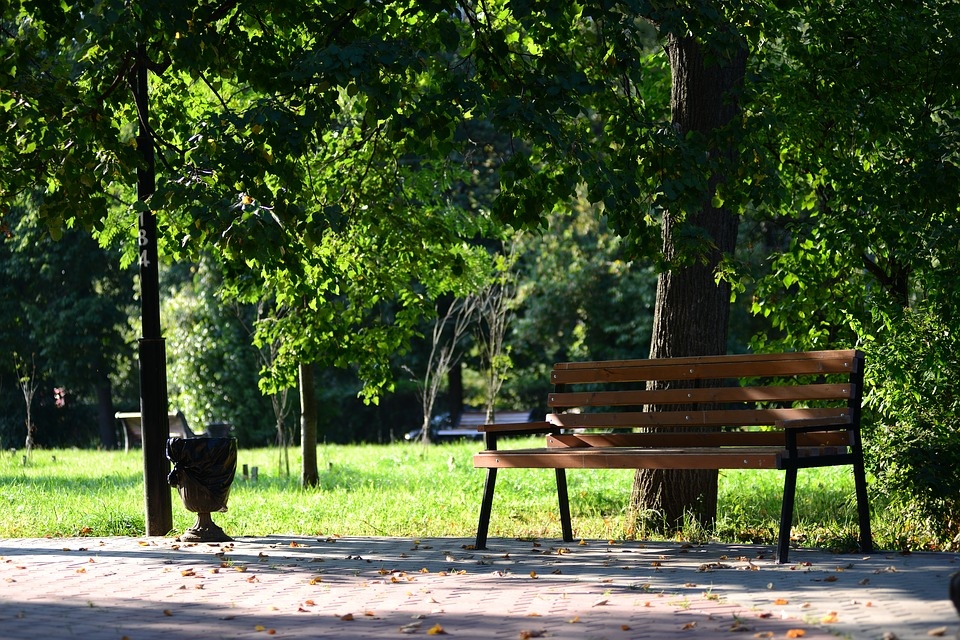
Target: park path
308,587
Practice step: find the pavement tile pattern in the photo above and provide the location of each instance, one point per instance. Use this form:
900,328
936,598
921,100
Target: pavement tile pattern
308,587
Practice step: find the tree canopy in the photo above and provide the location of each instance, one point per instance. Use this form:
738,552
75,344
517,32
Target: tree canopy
345,158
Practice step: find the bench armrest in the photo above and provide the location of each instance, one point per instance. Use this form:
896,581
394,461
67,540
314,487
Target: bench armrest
817,424
514,428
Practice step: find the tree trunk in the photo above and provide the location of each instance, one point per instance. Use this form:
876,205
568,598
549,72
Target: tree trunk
105,414
692,311
309,476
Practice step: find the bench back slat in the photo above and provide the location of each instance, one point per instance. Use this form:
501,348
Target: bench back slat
709,367
783,393
691,419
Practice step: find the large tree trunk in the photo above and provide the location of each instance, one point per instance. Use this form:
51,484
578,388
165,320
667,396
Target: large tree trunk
309,476
692,311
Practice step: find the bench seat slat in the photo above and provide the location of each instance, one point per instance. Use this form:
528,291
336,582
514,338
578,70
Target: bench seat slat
631,458
689,419
642,458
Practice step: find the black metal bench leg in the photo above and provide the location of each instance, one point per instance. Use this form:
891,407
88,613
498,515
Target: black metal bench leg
565,525
863,505
485,508
786,515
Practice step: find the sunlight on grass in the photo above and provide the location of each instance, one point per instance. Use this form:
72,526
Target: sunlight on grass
399,490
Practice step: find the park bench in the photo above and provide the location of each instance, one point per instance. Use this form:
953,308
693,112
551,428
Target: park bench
785,411
467,424
133,430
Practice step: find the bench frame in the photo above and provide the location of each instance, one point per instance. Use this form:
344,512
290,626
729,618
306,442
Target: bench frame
133,428
773,411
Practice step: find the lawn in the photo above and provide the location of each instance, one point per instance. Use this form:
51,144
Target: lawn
400,490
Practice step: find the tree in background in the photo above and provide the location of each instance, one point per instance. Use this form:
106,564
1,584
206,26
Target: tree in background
449,327
494,314
67,304
214,374
869,232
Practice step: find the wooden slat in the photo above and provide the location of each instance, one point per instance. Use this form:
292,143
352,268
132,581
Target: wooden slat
517,427
708,367
642,397
692,419
628,458
711,439
843,354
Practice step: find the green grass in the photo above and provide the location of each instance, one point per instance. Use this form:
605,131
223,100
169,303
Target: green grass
400,490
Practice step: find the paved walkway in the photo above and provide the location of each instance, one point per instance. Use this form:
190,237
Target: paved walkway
305,587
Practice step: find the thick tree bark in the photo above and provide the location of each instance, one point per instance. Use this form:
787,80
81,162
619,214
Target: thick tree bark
309,476
692,311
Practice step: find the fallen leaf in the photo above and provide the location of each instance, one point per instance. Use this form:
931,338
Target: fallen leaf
763,634
574,620
796,633
830,618
830,579
436,630
533,574
167,612
347,617
939,631
689,625
625,627
524,635
781,601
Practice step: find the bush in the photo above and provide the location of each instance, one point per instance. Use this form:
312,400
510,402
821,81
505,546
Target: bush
912,422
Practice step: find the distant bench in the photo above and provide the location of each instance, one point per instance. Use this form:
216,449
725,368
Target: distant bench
467,424
133,429
757,411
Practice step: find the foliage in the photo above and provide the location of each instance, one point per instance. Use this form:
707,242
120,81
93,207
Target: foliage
914,439
66,309
871,165
213,374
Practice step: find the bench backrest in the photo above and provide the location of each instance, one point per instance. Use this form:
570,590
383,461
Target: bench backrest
133,429
473,419
724,394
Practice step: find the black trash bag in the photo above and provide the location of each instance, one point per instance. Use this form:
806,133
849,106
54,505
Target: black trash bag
203,470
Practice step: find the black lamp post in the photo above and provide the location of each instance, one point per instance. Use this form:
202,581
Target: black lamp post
153,372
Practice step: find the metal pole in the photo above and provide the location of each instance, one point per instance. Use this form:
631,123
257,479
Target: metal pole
153,373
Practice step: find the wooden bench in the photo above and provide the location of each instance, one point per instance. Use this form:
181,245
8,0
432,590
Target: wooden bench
133,430
757,411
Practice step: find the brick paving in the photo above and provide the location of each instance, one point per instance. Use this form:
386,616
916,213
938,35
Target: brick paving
308,587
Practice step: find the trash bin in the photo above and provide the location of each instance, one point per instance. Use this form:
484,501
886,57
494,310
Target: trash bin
203,470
